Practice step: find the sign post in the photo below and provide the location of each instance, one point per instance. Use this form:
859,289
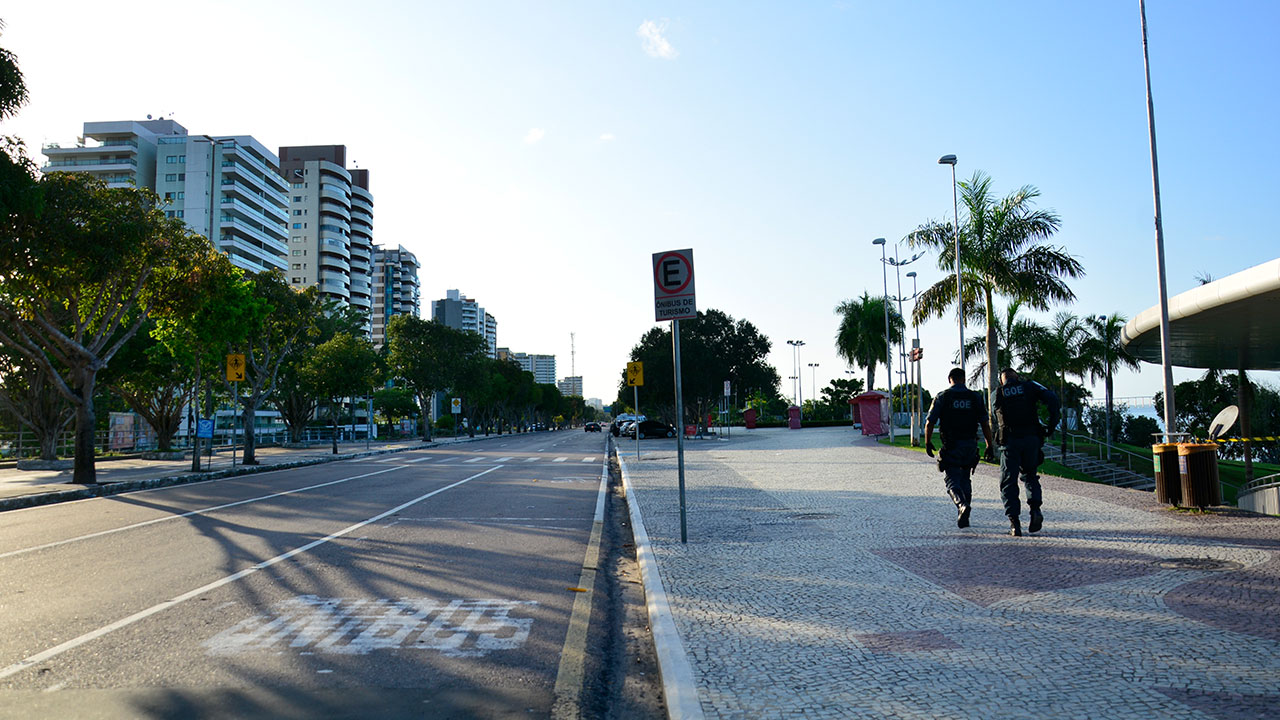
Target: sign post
455,406
635,378
235,373
204,431
674,300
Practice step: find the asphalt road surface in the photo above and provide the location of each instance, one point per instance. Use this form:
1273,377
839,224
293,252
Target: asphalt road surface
430,583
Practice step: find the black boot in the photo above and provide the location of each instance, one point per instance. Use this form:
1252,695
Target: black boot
962,520
1015,527
1037,520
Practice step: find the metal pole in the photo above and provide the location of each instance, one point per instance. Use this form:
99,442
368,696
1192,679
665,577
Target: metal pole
636,389
368,420
675,352
1160,275
888,346
234,401
902,346
919,404
955,208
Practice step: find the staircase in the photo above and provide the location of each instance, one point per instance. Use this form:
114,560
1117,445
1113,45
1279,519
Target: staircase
1100,470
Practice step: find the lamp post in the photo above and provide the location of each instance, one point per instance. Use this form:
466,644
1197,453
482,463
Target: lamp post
795,344
813,374
902,345
888,351
1106,354
955,208
918,406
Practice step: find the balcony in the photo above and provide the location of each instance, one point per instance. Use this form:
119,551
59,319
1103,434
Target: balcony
87,164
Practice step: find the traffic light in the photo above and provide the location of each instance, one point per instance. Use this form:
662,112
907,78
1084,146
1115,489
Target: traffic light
917,354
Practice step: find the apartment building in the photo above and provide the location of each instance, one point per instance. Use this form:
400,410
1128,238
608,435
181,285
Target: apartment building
571,385
225,187
395,288
463,313
543,367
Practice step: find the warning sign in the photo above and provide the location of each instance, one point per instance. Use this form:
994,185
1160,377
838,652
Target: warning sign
673,293
235,367
635,374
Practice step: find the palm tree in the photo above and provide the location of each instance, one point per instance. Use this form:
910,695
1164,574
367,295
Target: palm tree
1001,254
1018,339
1059,354
1102,353
860,339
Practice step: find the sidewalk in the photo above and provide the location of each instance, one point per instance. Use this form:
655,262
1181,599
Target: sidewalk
28,488
824,577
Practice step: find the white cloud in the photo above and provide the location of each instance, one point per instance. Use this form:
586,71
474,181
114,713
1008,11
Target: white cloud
534,135
607,137
655,44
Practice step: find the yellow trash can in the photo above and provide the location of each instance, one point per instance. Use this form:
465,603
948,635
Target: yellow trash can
1198,464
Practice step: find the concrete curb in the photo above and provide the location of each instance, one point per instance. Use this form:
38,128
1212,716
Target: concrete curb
678,686
117,488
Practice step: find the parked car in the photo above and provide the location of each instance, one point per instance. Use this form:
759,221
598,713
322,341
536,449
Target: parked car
654,428
628,428
591,427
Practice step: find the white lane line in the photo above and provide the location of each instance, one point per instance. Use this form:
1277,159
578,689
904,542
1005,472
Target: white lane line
144,614
531,459
473,460
503,459
560,459
416,460
588,459
201,511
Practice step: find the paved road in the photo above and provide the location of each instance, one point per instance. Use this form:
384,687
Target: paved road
436,582
825,577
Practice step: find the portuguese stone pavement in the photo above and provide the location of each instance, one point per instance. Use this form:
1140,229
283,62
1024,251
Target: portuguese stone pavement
824,577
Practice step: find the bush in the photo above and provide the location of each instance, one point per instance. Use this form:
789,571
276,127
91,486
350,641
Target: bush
1138,430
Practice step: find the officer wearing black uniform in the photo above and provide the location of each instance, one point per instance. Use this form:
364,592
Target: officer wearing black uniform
961,412
1021,437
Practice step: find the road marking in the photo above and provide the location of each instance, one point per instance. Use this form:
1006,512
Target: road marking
348,626
416,460
473,460
201,511
573,656
560,459
588,459
173,602
503,459
532,459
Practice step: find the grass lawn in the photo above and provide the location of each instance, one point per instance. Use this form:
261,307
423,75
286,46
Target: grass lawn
1048,467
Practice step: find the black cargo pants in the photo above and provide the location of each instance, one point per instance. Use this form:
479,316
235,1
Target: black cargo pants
1020,456
957,463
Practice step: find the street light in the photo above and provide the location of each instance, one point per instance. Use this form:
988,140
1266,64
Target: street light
888,352
814,377
918,410
902,345
796,344
955,208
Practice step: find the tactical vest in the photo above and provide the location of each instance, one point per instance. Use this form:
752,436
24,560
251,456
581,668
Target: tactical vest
959,411
1016,410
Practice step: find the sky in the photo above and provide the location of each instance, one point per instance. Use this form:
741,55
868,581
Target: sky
535,155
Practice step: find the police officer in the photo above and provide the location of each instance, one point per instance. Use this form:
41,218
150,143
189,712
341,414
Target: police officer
1021,436
961,412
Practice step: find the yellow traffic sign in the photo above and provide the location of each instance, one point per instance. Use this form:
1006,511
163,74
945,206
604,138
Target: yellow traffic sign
235,368
635,374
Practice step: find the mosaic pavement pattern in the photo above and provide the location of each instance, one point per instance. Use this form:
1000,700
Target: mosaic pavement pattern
825,578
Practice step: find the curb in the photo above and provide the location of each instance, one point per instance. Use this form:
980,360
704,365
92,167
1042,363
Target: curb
678,686
117,488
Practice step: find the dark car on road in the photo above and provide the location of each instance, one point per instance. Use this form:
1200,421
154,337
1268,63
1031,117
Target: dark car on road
654,428
591,427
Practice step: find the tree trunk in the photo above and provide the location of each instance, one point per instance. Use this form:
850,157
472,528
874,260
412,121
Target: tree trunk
84,472
333,422
871,377
250,442
993,372
195,441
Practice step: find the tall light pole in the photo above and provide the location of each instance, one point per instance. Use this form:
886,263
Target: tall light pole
918,405
888,348
902,345
813,368
796,344
955,208
1165,362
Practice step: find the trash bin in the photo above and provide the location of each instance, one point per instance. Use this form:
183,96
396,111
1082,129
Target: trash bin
749,416
793,417
1168,477
1198,464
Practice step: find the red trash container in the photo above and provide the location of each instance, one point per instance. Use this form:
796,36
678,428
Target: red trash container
793,417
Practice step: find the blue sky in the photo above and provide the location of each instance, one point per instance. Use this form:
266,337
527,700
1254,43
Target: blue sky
534,155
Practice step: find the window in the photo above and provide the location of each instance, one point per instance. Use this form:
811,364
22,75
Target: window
182,176
171,159
171,177
168,213
297,226
297,266
297,186
181,195
180,213
296,252
297,280
168,196
297,238
297,213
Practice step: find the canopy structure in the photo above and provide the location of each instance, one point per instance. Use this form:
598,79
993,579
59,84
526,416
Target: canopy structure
1232,323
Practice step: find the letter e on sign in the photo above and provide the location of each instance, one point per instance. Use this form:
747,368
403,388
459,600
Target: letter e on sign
673,293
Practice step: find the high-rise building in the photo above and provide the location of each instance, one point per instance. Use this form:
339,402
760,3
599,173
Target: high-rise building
570,386
225,187
395,288
330,224
543,367
463,313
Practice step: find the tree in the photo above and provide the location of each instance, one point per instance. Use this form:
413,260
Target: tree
153,383
1103,352
281,315
30,397
429,356
295,398
1058,355
1000,254
394,403
1018,341
838,394
79,276
714,347
13,89
341,367
860,339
